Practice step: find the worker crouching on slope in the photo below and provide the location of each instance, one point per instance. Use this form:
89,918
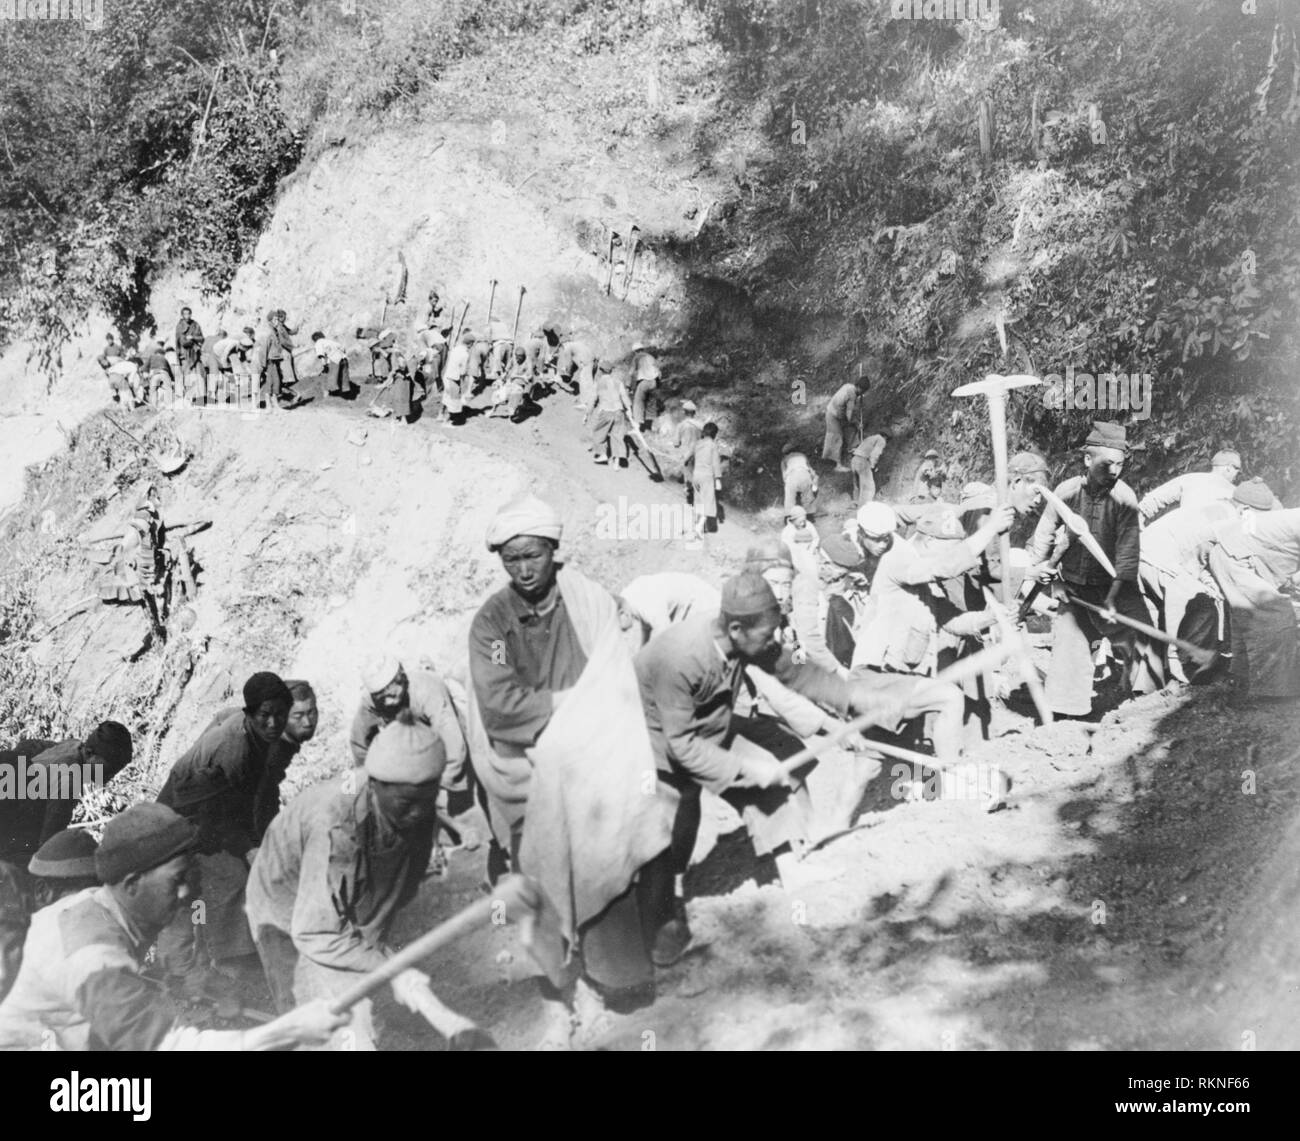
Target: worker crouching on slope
691,677
221,783
897,638
81,985
335,868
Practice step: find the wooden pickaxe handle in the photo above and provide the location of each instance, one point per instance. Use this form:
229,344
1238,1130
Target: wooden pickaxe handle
960,671
923,760
130,436
514,336
609,280
513,895
1076,524
1011,637
1194,653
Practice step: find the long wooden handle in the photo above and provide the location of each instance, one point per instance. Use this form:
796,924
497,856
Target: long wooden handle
1076,524
461,923
1028,671
1196,653
958,672
998,424
138,443
514,336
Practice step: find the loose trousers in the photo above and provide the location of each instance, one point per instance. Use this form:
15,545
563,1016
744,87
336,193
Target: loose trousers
1069,672
773,817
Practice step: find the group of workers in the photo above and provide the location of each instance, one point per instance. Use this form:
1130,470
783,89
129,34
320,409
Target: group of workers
258,364
466,370
702,690
1173,587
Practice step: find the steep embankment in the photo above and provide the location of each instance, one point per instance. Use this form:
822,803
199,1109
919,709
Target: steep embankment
333,535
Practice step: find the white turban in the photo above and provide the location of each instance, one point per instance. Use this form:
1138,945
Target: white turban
526,515
378,671
877,519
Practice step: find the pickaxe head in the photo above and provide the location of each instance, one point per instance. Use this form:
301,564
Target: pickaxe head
994,384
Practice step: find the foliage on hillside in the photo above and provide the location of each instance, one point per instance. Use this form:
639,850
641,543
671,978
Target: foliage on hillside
1134,213
159,140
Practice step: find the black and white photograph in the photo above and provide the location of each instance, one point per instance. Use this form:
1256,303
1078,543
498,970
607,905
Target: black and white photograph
650,526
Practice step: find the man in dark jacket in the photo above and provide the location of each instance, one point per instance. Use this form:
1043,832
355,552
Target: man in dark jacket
1110,509
189,348
218,784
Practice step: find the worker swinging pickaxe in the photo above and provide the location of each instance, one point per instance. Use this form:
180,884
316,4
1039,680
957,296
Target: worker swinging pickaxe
1197,655
961,671
1079,528
1076,528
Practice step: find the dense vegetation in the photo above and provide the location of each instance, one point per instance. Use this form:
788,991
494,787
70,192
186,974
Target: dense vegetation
159,139
1117,180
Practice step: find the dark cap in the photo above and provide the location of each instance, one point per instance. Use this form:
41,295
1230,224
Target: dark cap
1107,434
1254,493
143,837
839,550
67,855
746,595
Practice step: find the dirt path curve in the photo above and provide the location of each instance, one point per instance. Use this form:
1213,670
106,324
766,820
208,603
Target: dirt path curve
554,446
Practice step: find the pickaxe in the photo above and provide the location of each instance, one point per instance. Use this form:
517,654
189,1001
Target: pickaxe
514,336
961,670
1076,524
997,793
455,338
657,476
1198,654
634,240
491,299
995,387
1028,671
514,898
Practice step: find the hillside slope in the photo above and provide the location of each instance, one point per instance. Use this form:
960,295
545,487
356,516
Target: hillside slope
1103,909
